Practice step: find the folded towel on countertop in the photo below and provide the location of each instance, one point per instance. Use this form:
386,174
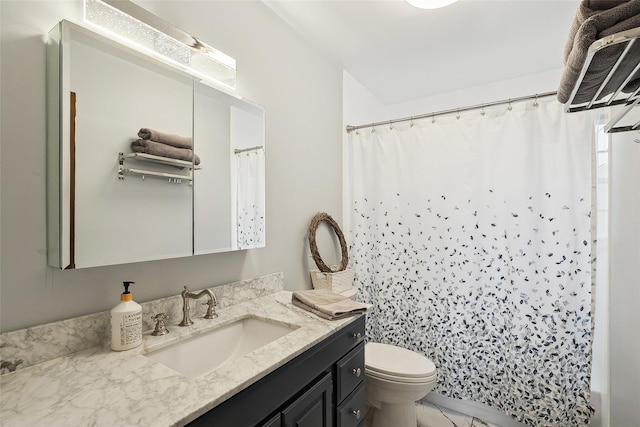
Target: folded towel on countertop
166,138
159,149
594,20
327,304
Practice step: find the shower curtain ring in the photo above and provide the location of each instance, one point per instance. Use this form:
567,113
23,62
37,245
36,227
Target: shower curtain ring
482,112
535,101
411,121
510,107
390,125
433,117
373,127
458,114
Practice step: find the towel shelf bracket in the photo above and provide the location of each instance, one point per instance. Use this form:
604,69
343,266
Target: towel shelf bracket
621,71
175,178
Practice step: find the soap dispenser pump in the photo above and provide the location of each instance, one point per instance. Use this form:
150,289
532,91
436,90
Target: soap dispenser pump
126,322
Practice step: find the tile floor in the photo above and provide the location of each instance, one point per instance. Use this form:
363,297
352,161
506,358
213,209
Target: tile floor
434,416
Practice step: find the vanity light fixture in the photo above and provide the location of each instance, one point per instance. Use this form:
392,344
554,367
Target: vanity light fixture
138,28
430,4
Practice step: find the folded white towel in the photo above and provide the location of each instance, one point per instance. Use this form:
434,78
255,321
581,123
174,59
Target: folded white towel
327,304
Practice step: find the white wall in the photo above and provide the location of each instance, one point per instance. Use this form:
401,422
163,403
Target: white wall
356,97
302,95
624,240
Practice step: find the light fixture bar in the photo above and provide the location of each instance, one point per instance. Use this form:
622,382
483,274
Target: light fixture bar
138,27
430,4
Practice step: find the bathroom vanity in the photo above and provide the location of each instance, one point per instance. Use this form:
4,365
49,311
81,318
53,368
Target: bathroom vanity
324,386
311,375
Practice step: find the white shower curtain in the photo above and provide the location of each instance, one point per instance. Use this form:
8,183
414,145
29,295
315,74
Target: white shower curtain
250,199
471,237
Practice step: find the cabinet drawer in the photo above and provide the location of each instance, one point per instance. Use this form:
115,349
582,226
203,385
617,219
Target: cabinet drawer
350,371
352,411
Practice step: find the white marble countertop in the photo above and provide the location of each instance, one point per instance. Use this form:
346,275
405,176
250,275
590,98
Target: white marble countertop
100,387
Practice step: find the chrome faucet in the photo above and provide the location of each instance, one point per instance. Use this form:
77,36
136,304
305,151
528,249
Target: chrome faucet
186,295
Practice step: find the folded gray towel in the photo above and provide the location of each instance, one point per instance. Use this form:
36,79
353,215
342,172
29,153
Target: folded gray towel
594,20
166,138
327,304
159,149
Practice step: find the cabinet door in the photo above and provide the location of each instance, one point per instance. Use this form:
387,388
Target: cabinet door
313,408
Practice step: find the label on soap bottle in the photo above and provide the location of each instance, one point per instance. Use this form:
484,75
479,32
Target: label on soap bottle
130,328
126,326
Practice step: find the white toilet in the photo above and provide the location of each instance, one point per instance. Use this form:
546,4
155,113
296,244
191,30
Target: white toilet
395,379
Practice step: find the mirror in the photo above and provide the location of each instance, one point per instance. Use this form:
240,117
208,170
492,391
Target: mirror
232,192
110,205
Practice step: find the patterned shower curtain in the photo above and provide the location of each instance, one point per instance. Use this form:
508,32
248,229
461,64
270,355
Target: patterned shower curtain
250,199
471,237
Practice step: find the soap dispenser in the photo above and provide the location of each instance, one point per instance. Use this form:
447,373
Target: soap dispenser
126,322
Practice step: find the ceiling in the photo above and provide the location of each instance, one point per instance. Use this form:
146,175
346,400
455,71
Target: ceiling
399,52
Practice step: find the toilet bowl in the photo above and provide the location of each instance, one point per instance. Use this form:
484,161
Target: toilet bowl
395,379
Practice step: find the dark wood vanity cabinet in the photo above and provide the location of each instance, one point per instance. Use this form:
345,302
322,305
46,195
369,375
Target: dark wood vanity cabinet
323,387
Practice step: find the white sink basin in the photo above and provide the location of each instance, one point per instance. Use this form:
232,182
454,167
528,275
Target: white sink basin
208,351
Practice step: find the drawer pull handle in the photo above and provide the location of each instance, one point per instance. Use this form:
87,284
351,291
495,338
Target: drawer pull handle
356,414
356,371
357,336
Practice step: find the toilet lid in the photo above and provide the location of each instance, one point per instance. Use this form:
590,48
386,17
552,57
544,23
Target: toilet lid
389,360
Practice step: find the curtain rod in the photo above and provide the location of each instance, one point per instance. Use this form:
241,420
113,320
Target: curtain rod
243,150
451,111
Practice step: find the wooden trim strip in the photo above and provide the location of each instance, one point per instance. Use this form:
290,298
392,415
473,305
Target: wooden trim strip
72,182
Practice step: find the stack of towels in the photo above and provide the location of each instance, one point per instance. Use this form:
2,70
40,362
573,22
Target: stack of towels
327,304
594,20
165,145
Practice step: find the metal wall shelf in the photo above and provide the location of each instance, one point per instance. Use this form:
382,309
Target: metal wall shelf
616,59
176,178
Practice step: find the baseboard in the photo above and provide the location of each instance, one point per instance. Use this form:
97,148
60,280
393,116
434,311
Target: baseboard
473,409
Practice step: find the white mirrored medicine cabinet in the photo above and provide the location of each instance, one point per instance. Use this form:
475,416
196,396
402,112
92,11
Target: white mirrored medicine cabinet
108,204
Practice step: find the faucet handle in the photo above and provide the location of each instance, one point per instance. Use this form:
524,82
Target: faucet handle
161,328
211,311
